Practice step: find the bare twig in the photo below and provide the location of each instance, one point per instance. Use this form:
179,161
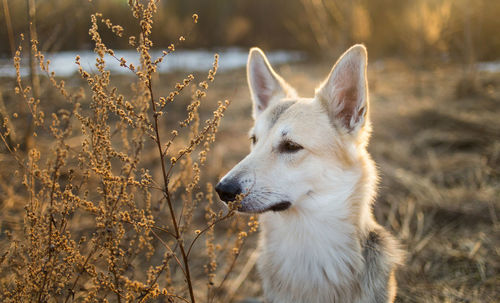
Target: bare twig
35,80
167,194
229,214
8,23
11,137
235,285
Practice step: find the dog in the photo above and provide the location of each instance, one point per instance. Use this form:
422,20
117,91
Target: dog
312,181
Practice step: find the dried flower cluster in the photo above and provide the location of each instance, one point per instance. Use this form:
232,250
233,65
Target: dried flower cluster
102,221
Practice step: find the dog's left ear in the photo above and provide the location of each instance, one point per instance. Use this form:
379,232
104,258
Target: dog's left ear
344,93
266,86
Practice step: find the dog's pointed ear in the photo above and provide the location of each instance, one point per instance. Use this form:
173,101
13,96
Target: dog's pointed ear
344,93
266,86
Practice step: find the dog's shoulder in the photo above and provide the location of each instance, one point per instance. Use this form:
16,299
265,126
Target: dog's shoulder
381,254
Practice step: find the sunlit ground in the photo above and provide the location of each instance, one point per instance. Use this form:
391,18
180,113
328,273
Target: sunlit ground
434,82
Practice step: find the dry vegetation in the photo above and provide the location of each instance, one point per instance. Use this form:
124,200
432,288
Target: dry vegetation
100,183
439,162
105,198
438,155
417,29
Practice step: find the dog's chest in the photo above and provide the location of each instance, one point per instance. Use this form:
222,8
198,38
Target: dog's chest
302,261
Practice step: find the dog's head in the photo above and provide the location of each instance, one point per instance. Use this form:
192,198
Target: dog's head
302,148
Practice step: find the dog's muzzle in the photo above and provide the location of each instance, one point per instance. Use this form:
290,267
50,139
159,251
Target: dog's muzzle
228,190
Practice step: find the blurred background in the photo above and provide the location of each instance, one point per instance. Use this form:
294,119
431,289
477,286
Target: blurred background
437,30
427,31
434,77
423,33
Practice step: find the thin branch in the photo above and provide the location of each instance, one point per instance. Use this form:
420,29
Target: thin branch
229,214
8,23
167,193
171,251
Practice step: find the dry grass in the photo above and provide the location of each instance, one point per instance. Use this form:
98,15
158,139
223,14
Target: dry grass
102,200
438,157
439,162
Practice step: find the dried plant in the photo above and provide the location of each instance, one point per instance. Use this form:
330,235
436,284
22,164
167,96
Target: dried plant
103,220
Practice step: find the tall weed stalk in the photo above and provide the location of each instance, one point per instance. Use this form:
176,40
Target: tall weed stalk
112,197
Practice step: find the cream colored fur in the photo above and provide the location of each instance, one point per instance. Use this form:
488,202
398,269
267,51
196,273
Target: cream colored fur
326,246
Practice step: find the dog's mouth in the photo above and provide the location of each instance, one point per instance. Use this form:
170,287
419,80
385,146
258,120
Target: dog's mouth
277,207
281,206
251,202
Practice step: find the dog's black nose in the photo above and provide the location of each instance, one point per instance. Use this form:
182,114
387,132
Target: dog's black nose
228,190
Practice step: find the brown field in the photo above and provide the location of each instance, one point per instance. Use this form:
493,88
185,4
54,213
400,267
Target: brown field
106,179
438,157
439,162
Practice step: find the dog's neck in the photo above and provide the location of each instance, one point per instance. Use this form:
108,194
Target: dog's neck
317,241
320,225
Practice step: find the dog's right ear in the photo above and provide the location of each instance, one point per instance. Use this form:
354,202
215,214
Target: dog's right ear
266,86
344,93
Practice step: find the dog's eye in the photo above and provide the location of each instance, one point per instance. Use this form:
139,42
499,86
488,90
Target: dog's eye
289,147
253,139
